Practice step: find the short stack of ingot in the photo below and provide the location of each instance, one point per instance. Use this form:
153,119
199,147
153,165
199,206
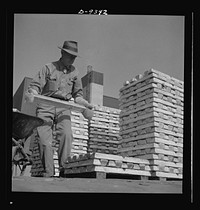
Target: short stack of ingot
37,167
55,145
107,163
151,122
80,133
56,164
104,130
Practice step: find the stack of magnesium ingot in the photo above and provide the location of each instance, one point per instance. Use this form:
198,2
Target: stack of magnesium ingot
80,133
108,163
55,145
151,122
104,130
37,167
56,164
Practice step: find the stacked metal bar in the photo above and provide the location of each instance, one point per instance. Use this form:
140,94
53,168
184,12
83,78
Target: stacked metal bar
106,163
104,130
80,133
151,122
37,167
56,164
79,127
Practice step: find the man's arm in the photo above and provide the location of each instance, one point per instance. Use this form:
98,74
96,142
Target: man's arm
37,84
77,94
39,80
29,95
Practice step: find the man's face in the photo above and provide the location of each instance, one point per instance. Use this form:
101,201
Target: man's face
67,59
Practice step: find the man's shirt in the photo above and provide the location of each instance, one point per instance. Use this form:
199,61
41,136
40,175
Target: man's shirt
58,81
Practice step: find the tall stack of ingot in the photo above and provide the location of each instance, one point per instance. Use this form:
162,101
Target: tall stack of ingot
104,130
151,122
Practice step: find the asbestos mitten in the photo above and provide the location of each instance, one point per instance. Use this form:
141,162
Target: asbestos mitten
29,95
88,114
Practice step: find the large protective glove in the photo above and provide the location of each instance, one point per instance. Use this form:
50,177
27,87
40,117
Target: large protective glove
83,102
88,112
29,95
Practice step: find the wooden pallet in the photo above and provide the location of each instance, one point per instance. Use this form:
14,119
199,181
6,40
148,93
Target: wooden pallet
102,174
106,172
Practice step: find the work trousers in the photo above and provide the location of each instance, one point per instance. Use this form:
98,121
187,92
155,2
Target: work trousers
45,132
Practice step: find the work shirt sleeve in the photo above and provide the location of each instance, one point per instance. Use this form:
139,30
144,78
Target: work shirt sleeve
77,93
39,80
77,88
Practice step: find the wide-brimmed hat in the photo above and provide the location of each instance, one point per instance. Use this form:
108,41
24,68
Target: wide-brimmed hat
71,47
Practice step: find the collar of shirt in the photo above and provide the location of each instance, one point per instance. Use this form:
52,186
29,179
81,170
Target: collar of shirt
65,69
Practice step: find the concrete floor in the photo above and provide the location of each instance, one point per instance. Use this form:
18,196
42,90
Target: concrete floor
109,185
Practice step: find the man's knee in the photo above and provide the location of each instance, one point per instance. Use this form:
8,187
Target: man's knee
45,133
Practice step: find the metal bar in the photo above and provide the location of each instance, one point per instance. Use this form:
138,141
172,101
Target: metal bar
58,103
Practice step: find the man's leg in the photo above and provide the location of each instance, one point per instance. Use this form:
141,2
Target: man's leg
45,135
64,136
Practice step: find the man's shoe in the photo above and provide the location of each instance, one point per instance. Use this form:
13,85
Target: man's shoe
61,173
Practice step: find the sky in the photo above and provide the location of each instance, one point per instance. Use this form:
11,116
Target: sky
119,46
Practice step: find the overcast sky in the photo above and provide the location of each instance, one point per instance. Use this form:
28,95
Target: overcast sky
119,46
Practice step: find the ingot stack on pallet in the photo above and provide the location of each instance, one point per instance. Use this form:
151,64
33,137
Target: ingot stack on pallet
103,164
151,122
104,130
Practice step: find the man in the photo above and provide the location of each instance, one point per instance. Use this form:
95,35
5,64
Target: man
58,79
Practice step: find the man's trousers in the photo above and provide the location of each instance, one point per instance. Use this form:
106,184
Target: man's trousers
64,135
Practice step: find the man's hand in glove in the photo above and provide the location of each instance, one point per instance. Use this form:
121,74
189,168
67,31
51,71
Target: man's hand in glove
83,102
29,95
90,106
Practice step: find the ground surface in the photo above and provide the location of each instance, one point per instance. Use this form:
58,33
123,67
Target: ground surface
110,185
